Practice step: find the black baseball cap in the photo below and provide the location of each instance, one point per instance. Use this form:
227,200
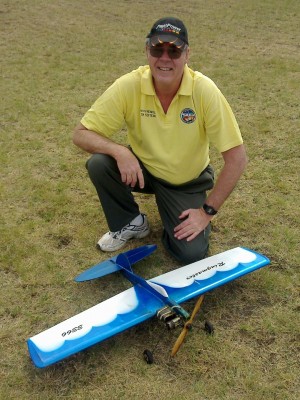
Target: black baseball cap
168,30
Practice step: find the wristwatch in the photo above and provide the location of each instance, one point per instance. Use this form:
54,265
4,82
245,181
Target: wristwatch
209,210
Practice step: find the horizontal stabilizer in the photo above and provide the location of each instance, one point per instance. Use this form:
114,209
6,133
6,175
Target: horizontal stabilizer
140,253
111,265
99,270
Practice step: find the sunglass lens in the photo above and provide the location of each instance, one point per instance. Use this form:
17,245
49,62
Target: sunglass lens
156,51
173,51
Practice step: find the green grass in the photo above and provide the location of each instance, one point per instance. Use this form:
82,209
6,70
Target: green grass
56,59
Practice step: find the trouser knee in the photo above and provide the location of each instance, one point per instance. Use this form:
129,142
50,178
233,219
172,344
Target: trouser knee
188,252
101,165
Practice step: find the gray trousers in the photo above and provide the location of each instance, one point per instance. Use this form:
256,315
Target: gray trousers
120,208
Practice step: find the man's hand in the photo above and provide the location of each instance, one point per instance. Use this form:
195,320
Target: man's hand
195,221
129,167
128,164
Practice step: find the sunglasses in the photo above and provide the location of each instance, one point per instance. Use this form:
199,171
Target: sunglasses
173,52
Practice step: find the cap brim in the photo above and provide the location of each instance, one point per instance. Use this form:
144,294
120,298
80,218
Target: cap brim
166,38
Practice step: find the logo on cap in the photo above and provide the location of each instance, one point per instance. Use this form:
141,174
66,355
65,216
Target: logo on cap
188,116
168,28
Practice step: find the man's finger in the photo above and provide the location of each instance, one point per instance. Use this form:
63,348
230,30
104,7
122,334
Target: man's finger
140,177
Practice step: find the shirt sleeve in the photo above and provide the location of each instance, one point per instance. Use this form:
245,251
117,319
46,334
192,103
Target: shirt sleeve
221,126
106,116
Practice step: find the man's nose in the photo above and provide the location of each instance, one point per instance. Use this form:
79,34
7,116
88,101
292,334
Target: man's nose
165,53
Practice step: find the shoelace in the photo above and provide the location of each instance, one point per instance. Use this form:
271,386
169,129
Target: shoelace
115,234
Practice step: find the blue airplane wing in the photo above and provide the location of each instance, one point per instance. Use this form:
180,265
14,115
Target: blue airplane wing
138,304
205,275
94,325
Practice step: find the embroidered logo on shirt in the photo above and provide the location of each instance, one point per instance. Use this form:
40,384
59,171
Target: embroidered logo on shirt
188,116
148,113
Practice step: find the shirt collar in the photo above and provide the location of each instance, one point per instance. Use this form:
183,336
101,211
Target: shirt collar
147,83
185,88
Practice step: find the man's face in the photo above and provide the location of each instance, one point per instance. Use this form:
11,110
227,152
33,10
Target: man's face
167,63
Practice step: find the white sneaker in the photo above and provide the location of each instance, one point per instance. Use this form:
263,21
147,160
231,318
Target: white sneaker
136,229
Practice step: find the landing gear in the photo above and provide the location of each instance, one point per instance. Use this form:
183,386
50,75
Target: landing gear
209,328
171,320
148,356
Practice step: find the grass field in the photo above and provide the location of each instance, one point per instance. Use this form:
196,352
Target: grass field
56,58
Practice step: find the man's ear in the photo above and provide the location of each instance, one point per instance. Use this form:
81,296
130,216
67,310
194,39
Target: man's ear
187,55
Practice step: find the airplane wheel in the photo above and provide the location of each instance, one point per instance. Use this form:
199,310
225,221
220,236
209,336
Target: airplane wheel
208,327
148,356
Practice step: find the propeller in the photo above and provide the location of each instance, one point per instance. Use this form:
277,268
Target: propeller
187,327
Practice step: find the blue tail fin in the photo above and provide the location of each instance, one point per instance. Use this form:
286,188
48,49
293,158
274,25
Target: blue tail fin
123,262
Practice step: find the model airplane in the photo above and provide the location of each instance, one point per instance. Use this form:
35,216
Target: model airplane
159,296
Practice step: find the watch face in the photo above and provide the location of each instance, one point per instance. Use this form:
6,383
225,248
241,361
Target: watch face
209,210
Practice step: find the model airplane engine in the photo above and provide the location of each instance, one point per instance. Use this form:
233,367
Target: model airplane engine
169,317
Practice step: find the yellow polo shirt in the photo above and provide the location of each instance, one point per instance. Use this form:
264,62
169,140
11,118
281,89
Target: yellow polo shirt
172,146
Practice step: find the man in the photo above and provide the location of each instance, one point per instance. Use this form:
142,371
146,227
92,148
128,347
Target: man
173,114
